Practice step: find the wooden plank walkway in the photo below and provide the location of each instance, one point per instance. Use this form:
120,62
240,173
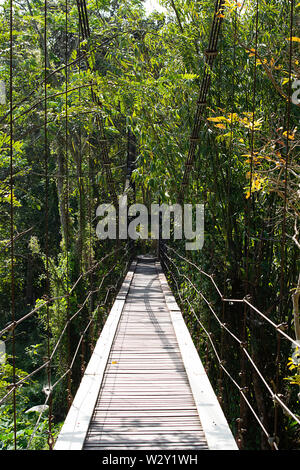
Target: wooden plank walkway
147,396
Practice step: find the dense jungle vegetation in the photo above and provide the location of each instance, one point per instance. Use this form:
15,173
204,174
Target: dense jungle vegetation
122,108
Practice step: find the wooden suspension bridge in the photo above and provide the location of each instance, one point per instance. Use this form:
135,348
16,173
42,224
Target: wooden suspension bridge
145,386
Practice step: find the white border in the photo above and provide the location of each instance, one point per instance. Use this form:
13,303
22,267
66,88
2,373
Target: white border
215,426
74,430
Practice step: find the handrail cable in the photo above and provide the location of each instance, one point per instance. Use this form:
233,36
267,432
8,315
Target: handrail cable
74,315
274,396
221,363
81,338
279,327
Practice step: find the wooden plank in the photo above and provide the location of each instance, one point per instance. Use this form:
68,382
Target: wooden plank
142,393
150,402
145,413
149,420
155,429
136,392
194,437
75,427
145,379
217,431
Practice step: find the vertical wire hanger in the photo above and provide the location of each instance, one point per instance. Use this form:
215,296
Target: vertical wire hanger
67,240
46,162
287,122
248,228
12,266
81,208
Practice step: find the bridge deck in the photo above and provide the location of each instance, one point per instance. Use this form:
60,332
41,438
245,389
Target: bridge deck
151,391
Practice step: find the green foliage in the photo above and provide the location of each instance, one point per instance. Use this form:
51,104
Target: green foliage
25,422
146,73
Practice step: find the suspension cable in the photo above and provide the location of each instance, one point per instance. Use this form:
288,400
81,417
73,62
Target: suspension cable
81,338
47,290
278,327
67,209
210,55
55,347
12,246
222,363
274,396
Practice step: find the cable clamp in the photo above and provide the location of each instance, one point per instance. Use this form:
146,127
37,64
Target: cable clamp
282,326
211,53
